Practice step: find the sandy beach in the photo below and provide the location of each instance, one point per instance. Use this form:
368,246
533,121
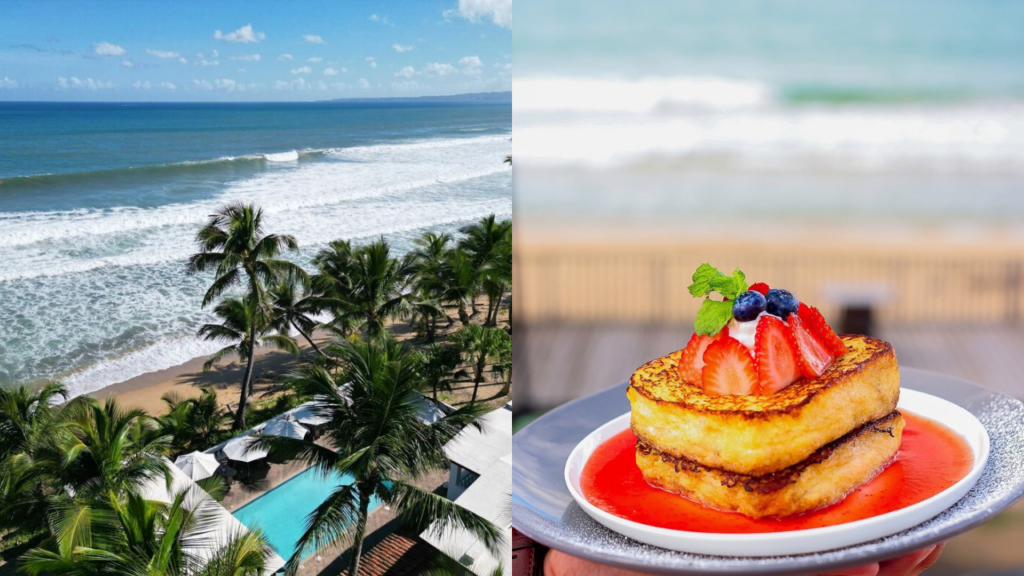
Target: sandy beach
187,379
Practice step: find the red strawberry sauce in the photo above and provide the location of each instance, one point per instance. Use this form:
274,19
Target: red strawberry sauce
931,458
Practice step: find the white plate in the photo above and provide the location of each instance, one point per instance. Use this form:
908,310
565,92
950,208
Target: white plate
796,541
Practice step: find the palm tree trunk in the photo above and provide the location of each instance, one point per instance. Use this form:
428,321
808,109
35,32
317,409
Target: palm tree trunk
490,307
360,533
246,380
435,392
308,339
478,377
508,384
463,316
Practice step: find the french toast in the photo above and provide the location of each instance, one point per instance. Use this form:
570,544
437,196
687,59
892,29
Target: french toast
755,434
822,479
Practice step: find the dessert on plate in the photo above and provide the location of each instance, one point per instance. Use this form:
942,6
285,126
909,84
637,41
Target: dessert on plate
766,411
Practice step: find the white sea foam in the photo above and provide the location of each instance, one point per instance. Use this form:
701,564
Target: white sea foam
116,299
291,156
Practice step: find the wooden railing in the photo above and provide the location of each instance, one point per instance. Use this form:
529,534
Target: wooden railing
647,283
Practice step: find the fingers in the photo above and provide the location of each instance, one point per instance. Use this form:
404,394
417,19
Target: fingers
911,564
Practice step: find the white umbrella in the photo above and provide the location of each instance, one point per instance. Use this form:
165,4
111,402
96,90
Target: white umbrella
286,428
427,411
197,465
306,415
242,449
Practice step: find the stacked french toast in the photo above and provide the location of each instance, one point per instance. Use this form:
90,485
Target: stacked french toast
766,412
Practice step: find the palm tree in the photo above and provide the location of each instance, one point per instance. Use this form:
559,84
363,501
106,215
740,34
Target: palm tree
457,283
27,422
106,449
246,329
378,289
234,244
481,345
377,437
481,242
192,422
25,415
439,367
291,309
497,278
502,367
134,536
428,275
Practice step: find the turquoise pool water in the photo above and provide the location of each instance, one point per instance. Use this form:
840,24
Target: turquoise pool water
281,513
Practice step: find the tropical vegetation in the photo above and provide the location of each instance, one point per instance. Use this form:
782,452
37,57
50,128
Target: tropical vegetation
75,474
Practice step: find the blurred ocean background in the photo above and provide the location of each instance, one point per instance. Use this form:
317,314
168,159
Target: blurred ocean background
99,204
871,113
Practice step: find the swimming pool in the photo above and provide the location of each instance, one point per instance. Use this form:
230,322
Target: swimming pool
281,513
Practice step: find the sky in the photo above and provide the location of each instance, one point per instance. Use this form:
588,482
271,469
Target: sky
232,50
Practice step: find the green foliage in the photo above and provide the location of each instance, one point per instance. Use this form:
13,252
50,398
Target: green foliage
193,422
438,365
373,408
480,346
714,315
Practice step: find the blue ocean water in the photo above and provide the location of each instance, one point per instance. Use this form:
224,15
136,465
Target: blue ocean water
99,204
282,512
908,111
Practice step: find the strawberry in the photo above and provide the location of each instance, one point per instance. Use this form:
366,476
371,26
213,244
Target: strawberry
812,355
816,325
776,355
728,369
691,362
759,287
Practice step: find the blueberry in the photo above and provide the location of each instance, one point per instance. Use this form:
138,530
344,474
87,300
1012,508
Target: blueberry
781,303
747,306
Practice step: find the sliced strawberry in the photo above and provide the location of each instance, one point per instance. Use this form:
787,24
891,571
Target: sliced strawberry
728,369
759,287
691,361
812,355
816,324
776,355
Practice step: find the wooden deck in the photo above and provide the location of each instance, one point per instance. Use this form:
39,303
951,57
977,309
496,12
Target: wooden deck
557,362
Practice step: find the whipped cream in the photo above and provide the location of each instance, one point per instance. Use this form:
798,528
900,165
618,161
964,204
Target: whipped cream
746,331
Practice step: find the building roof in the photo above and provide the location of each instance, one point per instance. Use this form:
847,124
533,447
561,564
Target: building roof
477,450
395,555
227,525
489,497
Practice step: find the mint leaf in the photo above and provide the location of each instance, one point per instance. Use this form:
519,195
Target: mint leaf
702,278
712,317
730,286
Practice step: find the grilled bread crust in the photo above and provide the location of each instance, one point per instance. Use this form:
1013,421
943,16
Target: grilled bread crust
824,478
754,434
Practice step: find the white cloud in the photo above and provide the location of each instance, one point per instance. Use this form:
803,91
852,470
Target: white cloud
141,85
363,84
127,63
6,82
331,71
302,70
164,54
438,69
470,62
315,59
202,85
168,86
182,60
405,85
400,48
209,63
244,35
247,58
108,49
497,11
406,72
371,61
215,54
313,39
285,57
297,84
379,19
225,84
87,84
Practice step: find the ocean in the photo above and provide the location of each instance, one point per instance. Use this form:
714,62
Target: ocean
99,205
793,112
